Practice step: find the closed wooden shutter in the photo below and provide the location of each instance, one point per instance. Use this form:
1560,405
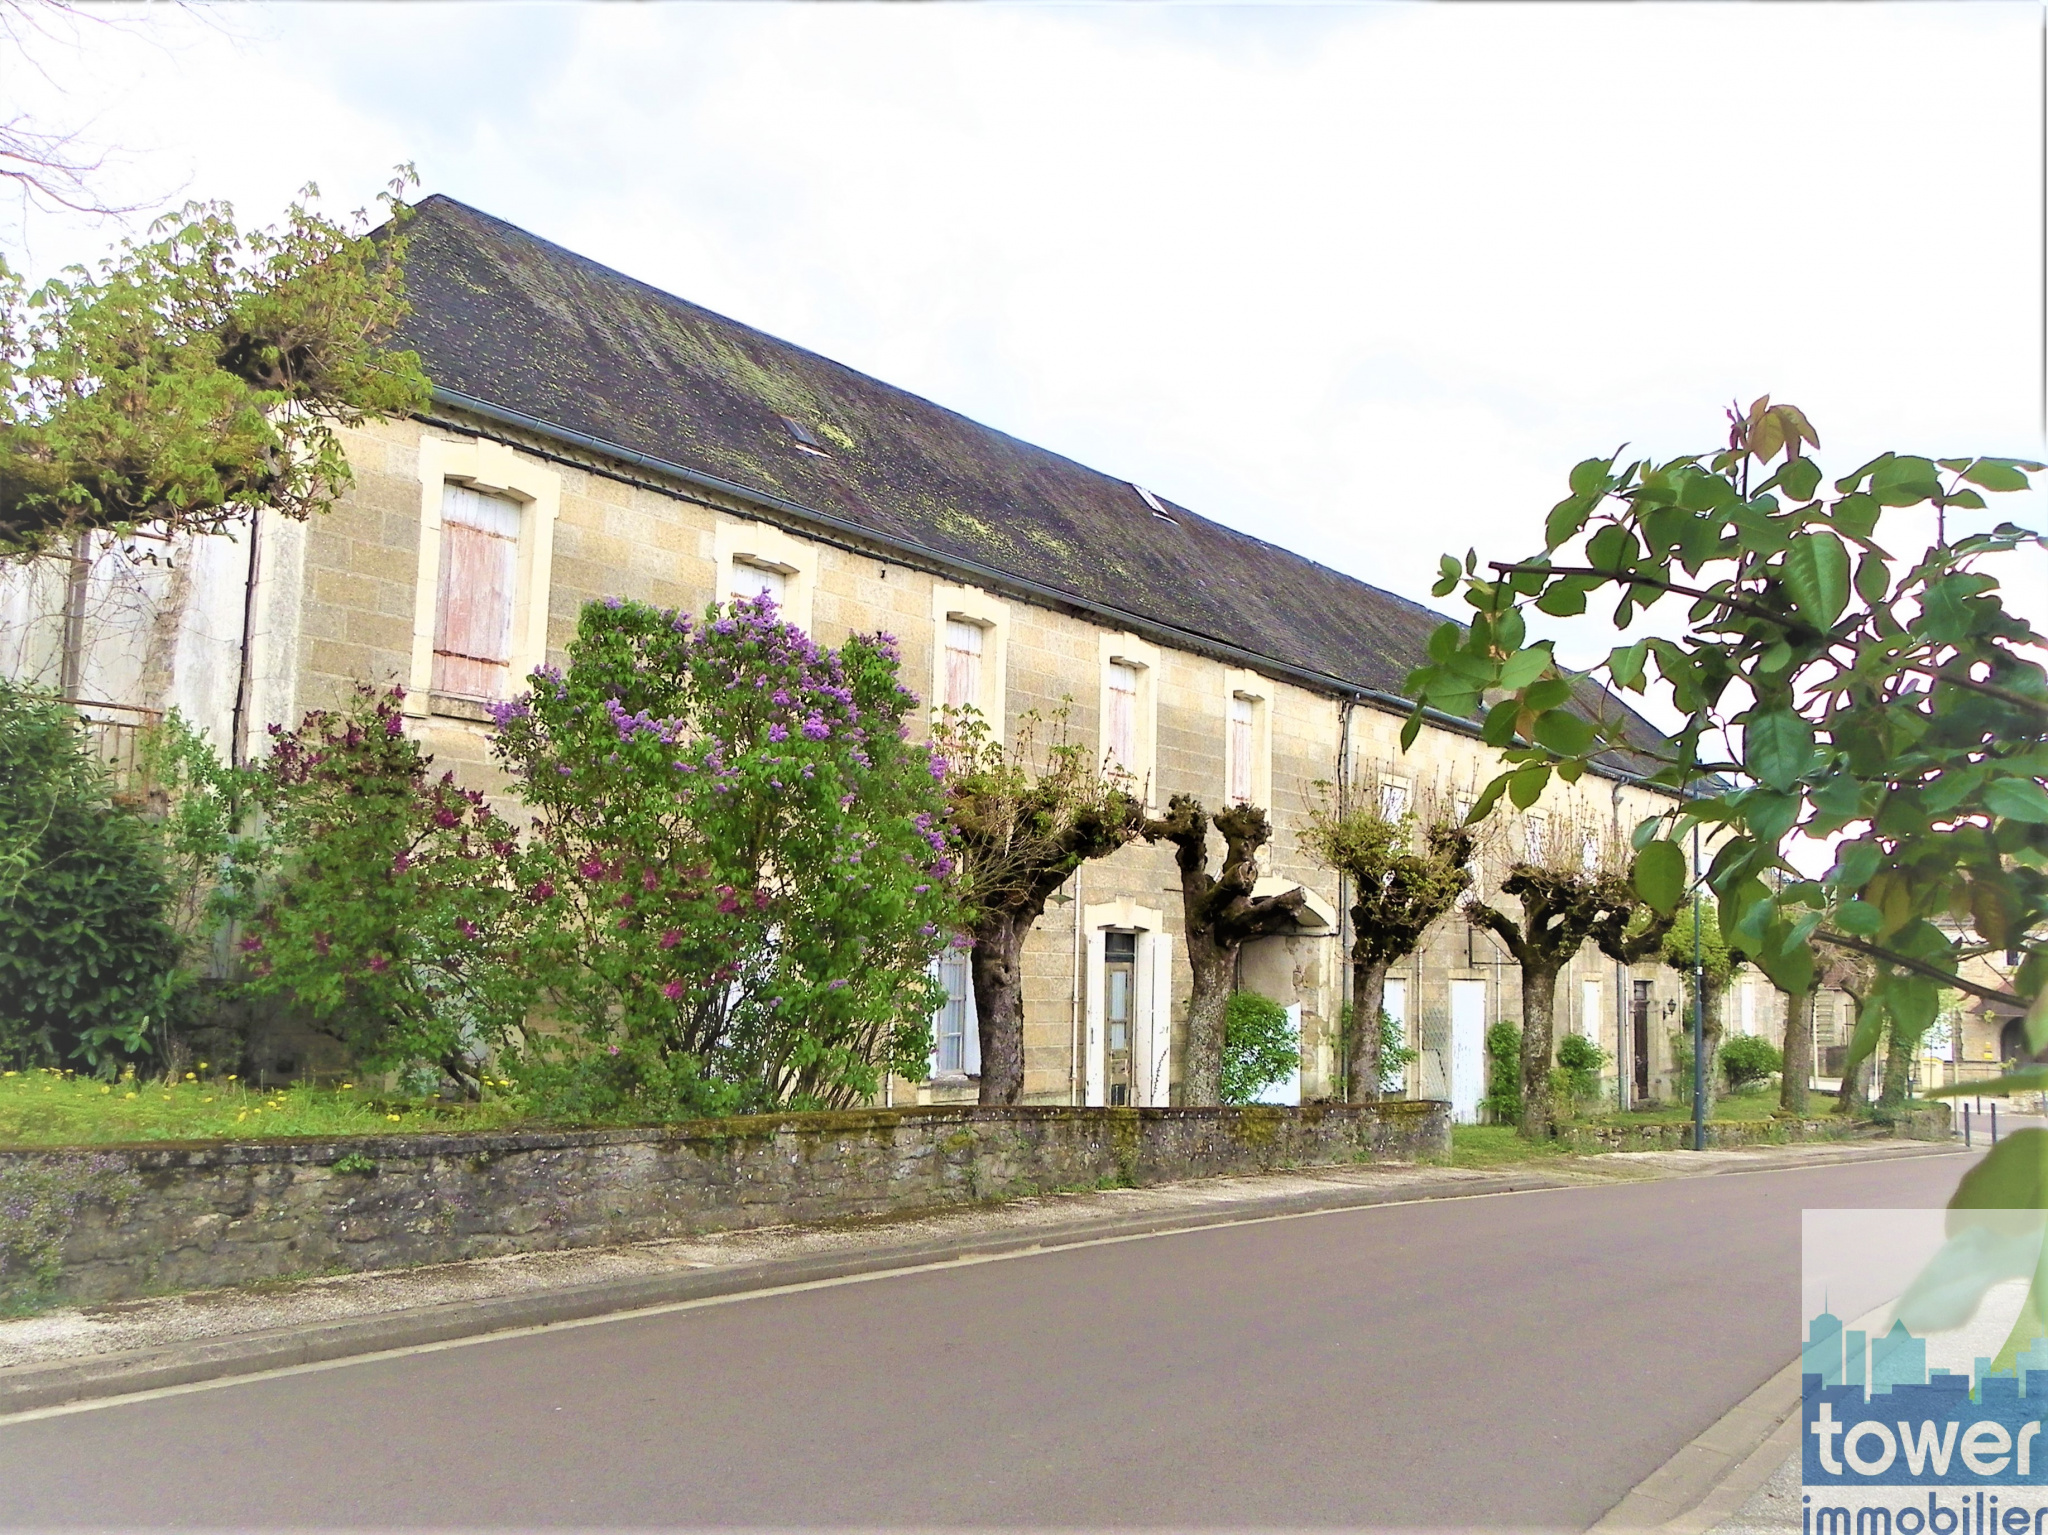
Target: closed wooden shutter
1120,730
479,577
1240,750
963,664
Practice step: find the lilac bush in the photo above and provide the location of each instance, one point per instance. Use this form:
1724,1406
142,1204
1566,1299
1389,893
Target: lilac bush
738,871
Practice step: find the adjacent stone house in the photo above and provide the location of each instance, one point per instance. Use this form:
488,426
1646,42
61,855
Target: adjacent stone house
591,436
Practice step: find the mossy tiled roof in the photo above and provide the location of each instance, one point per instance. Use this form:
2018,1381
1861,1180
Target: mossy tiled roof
521,323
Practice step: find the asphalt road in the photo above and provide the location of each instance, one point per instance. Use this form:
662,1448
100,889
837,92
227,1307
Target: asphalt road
1520,1360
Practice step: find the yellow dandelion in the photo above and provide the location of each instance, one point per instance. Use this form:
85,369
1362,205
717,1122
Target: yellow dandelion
190,1077
106,1089
202,1065
131,1095
233,1078
392,1117
207,1099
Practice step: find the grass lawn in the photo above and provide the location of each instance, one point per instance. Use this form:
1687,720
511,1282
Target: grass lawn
54,1108
1757,1105
1500,1146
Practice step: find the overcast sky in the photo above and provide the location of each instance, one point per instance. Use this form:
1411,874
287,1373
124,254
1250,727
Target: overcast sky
1362,279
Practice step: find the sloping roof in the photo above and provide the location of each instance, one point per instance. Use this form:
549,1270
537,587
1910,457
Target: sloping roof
508,318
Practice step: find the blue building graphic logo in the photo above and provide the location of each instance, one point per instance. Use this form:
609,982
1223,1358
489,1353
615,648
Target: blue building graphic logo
1943,1452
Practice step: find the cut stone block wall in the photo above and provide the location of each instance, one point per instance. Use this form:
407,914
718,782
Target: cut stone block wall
194,1216
1931,1123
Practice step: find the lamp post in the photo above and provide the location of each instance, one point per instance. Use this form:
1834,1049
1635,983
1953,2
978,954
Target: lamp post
1699,1010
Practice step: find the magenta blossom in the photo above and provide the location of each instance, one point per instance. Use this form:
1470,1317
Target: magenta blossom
671,938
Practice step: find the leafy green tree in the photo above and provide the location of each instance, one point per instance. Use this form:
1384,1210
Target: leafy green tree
1260,1048
1023,820
1399,891
382,904
1717,963
1502,1104
739,872
1221,917
1829,688
1577,1079
200,373
86,953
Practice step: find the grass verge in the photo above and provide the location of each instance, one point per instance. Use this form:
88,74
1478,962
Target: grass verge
55,1108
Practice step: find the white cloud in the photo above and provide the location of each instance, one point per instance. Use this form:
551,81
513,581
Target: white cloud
1363,280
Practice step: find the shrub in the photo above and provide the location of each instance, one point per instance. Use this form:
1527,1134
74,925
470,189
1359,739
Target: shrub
85,950
1746,1059
386,910
739,869
1502,1104
1578,1070
1260,1047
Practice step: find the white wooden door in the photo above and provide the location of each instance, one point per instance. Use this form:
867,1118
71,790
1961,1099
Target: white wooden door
1468,1050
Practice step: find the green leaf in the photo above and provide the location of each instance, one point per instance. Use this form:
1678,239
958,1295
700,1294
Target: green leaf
2017,799
1625,665
1499,729
2012,1176
1590,476
1856,864
1857,515
1564,733
1816,573
1996,474
1488,798
1612,548
1566,599
1547,694
1859,919
1904,481
1659,876
1777,748
1800,477
1412,730
1524,667
1567,518
1873,579
1526,784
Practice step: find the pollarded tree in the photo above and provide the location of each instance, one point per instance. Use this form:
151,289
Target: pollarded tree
1023,821
1398,892
1567,900
200,374
1222,916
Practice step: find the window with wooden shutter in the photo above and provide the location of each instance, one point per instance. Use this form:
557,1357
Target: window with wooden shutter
751,581
478,588
963,664
1120,730
1241,747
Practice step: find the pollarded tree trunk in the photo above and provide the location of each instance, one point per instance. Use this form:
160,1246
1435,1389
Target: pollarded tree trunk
996,964
1898,1071
1220,916
1362,1070
1798,1051
1539,1025
1201,1079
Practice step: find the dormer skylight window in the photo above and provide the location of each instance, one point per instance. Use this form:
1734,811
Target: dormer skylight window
806,440
1158,510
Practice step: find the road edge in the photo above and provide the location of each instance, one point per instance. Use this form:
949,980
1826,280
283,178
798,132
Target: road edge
30,1388
38,1387
1719,1470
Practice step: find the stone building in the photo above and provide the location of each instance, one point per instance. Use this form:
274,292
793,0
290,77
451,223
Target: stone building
591,436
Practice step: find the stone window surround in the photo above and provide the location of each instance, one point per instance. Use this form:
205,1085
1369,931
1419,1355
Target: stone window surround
1151,1002
972,605
1144,659
734,542
1240,683
498,470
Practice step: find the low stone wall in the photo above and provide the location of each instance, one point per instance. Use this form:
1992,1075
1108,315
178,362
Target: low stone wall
1926,1124
135,1220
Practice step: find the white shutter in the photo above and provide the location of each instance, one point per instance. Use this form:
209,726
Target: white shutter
971,1049
751,581
1154,1060
1394,1003
1589,1009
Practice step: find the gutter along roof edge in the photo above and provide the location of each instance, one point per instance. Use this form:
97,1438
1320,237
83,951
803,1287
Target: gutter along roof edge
942,563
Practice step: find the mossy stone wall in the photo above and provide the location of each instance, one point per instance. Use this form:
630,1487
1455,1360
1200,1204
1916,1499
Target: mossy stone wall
195,1216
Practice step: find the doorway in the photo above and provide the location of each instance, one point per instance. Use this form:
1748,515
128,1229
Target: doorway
1119,995
1639,1039
1468,1050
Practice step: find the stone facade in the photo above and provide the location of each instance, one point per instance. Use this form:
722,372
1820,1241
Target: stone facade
201,1216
